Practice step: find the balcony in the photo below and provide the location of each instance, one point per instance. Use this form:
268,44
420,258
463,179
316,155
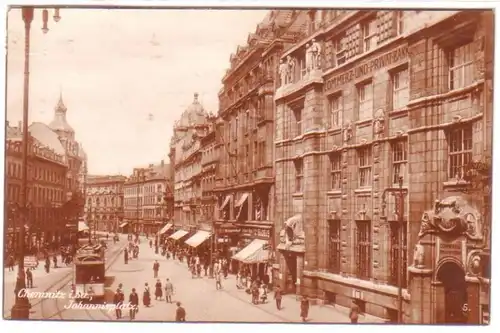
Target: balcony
263,172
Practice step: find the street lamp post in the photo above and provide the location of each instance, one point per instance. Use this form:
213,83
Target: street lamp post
21,307
401,249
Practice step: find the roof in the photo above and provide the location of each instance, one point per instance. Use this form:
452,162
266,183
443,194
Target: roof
59,123
47,137
195,114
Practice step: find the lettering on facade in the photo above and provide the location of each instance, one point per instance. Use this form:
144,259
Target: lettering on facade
452,249
368,67
263,233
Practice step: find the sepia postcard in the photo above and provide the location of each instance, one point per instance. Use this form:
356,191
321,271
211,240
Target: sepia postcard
248,165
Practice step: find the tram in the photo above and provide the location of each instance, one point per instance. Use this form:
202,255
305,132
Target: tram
89,274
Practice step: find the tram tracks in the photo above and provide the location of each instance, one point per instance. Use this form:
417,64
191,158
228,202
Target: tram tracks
61,284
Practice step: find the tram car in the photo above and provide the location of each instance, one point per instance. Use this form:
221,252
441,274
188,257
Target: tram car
89,274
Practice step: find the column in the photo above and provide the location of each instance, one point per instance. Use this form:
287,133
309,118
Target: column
300,269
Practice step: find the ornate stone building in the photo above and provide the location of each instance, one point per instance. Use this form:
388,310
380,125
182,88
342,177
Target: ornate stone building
245,180
47,167
210,155
104,202
154,206
369,99
186,160
133,198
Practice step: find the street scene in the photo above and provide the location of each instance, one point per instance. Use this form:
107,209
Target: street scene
304,166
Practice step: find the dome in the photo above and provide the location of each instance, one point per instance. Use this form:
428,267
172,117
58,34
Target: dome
59,123
195,114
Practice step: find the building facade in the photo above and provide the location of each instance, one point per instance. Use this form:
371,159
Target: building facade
47,168
245,179
210,154
154,207
185,159
104,202
380,117
133,201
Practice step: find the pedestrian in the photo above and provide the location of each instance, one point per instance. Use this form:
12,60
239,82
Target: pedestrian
205,267
54,258
169,291
146,297
118,299
263,293
150,243
354,312
133,300
156,268
180,313
304,308
158,290
29,278
125,256
47,264
278,296
11,263
218,282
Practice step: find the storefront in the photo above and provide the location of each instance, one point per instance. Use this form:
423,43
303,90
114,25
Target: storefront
226,238
200,242
179,235
253,251
292,250
124,228
165,231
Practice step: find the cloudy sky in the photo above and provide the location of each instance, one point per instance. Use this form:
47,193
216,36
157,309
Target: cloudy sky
115,68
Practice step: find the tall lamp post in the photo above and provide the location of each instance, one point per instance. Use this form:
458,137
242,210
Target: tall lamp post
22,306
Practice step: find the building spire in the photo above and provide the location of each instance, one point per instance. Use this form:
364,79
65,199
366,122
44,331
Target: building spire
60,107
195,97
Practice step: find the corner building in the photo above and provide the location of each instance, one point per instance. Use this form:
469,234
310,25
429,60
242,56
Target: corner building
392,94
245,181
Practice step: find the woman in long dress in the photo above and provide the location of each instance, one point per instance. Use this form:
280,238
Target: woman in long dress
158,290
146,297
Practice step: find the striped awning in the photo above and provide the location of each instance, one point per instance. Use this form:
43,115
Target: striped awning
165,228
255,252
242,200
179,234
198,238
226,201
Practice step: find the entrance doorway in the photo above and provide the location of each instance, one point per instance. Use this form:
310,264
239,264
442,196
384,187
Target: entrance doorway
291,274
452,276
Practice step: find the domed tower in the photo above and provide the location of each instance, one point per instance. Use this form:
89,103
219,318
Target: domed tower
59,124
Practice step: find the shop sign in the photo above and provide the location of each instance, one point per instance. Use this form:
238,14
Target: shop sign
450,249
368,67
255,232
228,230
30,261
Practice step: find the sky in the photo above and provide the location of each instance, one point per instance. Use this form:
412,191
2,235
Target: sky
125,75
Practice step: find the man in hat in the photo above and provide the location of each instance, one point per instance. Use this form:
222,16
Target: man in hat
133,300
180,313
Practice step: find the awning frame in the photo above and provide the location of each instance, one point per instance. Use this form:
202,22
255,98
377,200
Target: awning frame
165,228
251,251
198,238
226,202
243,198
179,234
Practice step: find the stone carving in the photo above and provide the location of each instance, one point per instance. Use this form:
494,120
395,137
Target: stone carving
378,123
309,57
418,256
453,216
316,54
291,69
347,132
283,71
293,232
474,264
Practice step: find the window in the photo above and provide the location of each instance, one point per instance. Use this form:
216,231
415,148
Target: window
299,175
461,72
400,90
335,171
400,22
298,120
365,101
460,151
340,51
334,246
261,153
395,252
399,160
335,108
369,30
365,166
363,249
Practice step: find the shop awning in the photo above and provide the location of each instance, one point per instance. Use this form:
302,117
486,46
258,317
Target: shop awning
123,224
82,226
226,201
292,221
242,200
198,238
178,234
186,208
255,252
165,228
